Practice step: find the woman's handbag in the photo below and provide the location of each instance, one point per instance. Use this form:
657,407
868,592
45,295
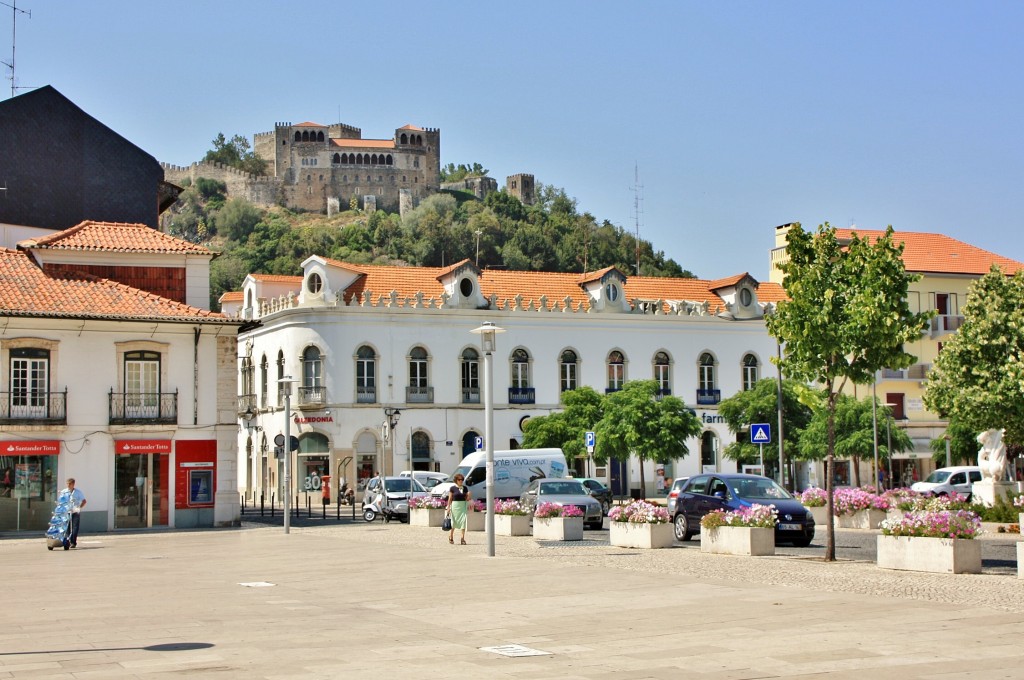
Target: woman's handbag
446,525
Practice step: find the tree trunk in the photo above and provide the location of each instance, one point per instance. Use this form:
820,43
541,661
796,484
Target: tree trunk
855,462
643,485
830,544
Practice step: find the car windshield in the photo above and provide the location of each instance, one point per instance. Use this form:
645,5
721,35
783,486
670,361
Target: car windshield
938,477
758,489
400,485
563,488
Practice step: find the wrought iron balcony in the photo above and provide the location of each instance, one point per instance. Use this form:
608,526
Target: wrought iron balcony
470,395
24,407
708,397
521,395
134,408
312,397
419,394
366,395
246,402
609,390
663,392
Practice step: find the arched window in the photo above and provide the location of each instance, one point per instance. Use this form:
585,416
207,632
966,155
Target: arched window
469,442
709,451
298,136
312,376
359,159
568,370
142,383
663,373
366,375
418,389
305,135
264,382
470,376
751,369
616,371
403,139
320,136
389,160
337,158
280,375
520,369
707,382
420,450
373,159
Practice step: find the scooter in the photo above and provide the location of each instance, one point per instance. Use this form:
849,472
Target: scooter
347,496
386,508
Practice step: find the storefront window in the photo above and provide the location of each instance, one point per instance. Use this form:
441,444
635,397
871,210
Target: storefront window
28,492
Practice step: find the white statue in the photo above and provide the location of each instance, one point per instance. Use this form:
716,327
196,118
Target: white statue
992,455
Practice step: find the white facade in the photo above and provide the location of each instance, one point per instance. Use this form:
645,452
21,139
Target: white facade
339,413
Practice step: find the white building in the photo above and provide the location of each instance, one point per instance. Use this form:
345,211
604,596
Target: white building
114,371
359,339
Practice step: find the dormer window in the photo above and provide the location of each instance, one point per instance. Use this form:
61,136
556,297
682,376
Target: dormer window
314,284
466,286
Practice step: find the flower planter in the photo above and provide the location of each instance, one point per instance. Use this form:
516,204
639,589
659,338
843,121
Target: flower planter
641,535
476,521
893,513
511,525
862,519
558,528
426,517
1020,557
935,555
738,540
820,514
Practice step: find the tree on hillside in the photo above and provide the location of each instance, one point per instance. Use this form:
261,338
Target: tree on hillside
235,153
846,318
454,173
759,405
854,434
583,409
978,379
636,422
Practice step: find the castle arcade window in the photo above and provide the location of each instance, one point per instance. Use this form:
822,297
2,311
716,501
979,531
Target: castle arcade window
568,370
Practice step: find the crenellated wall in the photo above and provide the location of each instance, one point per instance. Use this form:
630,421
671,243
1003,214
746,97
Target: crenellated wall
261,190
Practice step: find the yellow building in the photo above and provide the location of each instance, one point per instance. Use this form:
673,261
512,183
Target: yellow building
947,268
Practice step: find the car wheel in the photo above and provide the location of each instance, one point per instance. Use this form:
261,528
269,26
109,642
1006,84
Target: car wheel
682,528
369,515
595,526
605,507
802,542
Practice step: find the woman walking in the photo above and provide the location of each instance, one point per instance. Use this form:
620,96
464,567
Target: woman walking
458,498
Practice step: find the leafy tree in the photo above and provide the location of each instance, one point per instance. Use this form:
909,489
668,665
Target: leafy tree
637,422
978,379
237,219
854,433
963,445
454,173
583,409
846,317
236,153
759,405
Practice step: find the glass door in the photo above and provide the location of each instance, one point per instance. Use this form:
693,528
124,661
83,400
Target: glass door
140,491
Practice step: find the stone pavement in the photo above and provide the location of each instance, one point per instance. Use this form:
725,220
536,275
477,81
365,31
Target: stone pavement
356,600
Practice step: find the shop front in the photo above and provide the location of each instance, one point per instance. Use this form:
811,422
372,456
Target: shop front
30,484
141,483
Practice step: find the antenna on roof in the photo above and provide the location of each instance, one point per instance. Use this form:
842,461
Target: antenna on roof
14,39
638,201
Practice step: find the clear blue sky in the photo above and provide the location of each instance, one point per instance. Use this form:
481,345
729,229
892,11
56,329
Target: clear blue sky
740,115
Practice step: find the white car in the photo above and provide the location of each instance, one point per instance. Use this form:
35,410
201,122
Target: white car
944,481
428,479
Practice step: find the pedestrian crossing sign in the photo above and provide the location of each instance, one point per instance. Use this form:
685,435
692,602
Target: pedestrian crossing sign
761,433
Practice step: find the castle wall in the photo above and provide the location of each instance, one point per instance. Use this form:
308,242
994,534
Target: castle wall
260,190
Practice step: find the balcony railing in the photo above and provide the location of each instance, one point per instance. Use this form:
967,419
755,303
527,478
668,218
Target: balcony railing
946,323
246,402
663,392
708,397
422,394
366,395
915,372
521,395
33,407
470,395
609,390
312,396
132,408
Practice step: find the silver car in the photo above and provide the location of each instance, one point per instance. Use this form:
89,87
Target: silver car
564,492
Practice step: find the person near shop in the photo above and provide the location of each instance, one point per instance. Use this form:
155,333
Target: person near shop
8,482
77,500
458,502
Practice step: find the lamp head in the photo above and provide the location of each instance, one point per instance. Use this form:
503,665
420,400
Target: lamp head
487,332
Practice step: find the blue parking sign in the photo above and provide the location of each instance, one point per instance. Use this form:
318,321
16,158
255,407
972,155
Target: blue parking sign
479,443
761,433
591,440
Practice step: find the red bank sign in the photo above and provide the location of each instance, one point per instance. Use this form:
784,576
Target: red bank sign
125,446
30,448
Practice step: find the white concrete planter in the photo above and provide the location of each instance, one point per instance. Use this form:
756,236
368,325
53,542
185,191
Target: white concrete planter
511,525
1020,557
936,555
862,519
738,540
634,535
1020,521
476,521
894,514
426,517
820,515
558,528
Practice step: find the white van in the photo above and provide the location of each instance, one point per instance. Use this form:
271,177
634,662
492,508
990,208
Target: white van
513,471
428,479
958,479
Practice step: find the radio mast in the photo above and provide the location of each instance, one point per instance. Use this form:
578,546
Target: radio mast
638,210
14,38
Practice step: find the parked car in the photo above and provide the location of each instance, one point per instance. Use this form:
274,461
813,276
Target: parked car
564,492
600,492
944,481
428,479
673,493
721,491
398,490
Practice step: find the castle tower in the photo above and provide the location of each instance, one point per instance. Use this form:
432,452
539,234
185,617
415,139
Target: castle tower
522,187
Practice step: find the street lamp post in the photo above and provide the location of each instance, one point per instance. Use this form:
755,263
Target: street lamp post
948,460
874,432
392,415
487,333
888,441
286,383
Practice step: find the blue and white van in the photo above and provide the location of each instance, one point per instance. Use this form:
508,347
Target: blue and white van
513,471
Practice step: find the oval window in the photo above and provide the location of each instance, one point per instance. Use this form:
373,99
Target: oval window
745,297
611,292
466,287
314,284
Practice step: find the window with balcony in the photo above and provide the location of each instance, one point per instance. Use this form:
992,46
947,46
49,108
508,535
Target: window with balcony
311,392
29,397
707,381
616,371
366,375
246,388
948,318
141,398
568,371
520,392
663,373
418,390
470,376
751,372
264,378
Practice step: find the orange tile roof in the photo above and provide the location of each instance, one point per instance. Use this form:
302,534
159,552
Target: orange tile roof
411,127
587,277
727,281
114,237
277,278
309,124
27,290
232,296
364,143
939,254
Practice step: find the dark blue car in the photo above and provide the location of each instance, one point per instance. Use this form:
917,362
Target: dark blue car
724,491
